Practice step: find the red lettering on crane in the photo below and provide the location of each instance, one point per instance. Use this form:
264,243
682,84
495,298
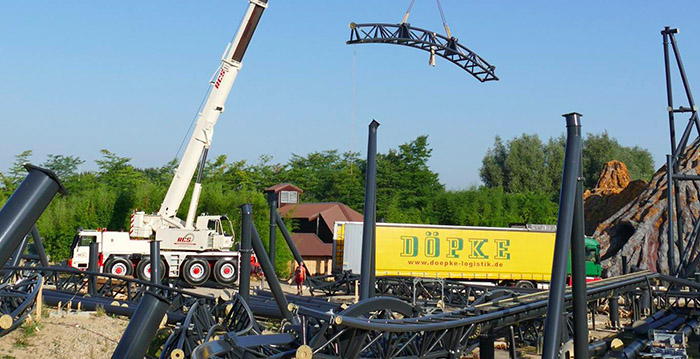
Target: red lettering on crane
221,77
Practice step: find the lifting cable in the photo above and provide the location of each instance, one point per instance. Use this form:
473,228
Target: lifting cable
444,22
442,16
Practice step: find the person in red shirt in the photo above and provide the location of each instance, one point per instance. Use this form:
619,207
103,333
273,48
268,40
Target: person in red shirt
299,277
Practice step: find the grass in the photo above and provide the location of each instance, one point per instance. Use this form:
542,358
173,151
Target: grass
28,330
100,311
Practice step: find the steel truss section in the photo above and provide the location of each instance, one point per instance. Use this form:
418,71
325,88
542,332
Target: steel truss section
689,259
448,292
404,34
385,329
73,283
204,322
18,300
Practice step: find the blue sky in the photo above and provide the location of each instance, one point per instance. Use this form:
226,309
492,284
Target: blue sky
128,76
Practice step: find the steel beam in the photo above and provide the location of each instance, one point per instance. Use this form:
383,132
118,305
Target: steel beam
370,217
563,237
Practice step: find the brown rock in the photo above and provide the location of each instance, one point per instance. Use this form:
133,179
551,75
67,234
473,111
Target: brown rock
612,192
637,233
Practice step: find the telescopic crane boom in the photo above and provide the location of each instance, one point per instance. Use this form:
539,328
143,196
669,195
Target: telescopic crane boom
196,152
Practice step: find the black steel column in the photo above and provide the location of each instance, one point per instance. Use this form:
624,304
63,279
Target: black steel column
24,207
142,327
669,91
513,354
670,211
93,266
486,347
39,247
614,308
246,246
288,238
271,277
370,216
553,321
272,200
578,272
155,262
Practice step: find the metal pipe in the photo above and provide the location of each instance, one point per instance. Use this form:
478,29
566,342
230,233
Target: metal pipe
598,348
511,344
17,256
669,90
246,246
271,277
272,200
370,216
93,267
578,271
142,327
486,347
24,207
155,262
39,247
614,308
553,328
290,243
669,211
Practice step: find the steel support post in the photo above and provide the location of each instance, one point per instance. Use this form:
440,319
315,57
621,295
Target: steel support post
93,266
645,301
142,327
271,277
155,262
39,247
553,323
288,238
370,217
272,201
670,213
578,272
511,344
614,308
246,247
486,347
24,207
17,256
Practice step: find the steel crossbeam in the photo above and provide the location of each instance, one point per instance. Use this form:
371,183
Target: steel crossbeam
439,45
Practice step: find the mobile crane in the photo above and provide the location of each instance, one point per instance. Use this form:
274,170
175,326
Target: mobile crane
193,248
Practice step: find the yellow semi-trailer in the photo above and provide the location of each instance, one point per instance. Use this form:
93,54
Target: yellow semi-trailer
516,256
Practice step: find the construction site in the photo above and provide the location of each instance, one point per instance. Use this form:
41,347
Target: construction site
614,276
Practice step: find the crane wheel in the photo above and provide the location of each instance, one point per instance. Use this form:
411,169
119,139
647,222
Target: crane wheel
225,271
119,266
195,271
143,269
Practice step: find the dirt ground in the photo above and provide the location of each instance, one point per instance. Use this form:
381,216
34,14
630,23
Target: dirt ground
69,336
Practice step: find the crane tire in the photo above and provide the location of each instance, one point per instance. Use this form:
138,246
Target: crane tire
119,266
226,271
143,270
195,271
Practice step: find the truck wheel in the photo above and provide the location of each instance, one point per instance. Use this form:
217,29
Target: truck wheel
195,271
118,266
526,284
225,271
143,269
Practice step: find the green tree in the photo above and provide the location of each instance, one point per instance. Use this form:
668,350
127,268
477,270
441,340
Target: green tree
17,172
63,166
493,165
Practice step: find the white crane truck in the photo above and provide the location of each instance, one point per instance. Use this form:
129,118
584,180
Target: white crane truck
194,249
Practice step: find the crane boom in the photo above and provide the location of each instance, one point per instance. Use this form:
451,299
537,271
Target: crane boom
201,138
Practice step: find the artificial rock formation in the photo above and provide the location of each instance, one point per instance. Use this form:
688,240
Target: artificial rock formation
636,236
613,191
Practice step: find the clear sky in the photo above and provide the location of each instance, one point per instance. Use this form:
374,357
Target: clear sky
128,76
